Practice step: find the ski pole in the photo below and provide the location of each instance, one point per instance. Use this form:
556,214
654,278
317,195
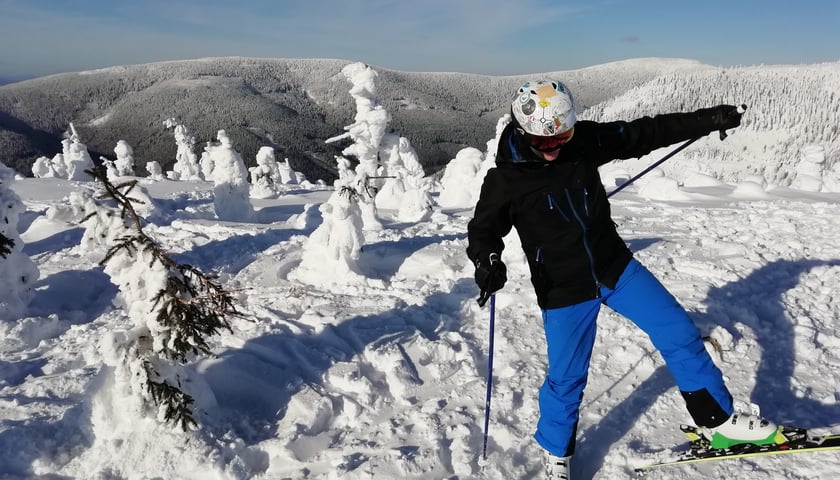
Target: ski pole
489,375
654,165
740,111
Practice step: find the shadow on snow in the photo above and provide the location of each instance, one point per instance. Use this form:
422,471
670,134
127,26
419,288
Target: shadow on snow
271,369
761,292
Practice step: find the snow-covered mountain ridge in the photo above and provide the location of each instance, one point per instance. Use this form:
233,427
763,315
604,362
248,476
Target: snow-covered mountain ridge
296,104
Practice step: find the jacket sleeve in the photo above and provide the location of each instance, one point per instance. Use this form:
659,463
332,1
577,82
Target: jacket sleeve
491,220
622,140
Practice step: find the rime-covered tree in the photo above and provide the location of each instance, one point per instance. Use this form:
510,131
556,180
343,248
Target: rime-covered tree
70,164
123,166
371,122
331,253
460,172
175,308
124,163
230,178
76,156
382,156
461,182
406,188
186,165
289,176
17,271
265,177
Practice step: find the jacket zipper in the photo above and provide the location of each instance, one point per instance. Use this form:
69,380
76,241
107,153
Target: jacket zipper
586,246
586,201
552,205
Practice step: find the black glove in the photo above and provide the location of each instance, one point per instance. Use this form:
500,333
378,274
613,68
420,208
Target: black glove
490,275
724,117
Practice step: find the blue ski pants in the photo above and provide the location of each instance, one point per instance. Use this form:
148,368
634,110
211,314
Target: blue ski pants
570,336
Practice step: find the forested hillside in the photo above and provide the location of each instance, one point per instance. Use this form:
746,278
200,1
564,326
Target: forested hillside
789,107
294,105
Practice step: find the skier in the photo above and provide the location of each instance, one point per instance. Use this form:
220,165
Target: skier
546,185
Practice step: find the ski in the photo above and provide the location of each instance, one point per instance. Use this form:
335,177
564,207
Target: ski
699,450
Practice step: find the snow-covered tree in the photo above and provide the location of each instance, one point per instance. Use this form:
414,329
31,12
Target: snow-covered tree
43,167
461,182
17,271
76,156
460,173
266,176
230,177
174,308
205,163
70,164
288,176
331,253
186,165
125,159
405,189
155,170
123,166
371,122
809,172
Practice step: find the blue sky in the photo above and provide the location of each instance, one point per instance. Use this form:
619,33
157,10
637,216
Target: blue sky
496,37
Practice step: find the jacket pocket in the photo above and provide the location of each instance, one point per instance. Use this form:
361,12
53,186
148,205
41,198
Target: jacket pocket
539,273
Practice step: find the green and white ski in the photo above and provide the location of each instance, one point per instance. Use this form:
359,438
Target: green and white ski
798,441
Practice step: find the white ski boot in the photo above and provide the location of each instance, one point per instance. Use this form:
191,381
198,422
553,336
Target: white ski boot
741,428
556,468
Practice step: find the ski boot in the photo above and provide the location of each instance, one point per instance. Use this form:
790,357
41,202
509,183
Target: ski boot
743,428
556,468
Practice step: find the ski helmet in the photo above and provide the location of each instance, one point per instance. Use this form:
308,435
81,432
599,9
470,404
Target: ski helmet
544,108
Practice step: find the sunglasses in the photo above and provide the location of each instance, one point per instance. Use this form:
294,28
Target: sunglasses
548,144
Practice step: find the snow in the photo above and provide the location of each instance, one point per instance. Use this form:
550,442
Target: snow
361,353
385,378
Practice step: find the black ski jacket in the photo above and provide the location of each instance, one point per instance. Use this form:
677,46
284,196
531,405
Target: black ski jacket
560,208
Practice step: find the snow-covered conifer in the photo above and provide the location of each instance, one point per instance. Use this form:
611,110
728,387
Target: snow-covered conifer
266,176
124,163
230,177
809,171
458,177
76,157
370,125
289,176
405,189
110,168
205,164
42,168
58,166
186,165
155,170
461,182
17,271
336,244
175,308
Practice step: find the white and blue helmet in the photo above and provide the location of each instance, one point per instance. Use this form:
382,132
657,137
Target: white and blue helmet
544,108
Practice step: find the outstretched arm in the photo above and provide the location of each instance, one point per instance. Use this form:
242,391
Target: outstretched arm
620,140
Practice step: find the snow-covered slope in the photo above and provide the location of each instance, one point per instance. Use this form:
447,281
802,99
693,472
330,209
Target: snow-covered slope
386,380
